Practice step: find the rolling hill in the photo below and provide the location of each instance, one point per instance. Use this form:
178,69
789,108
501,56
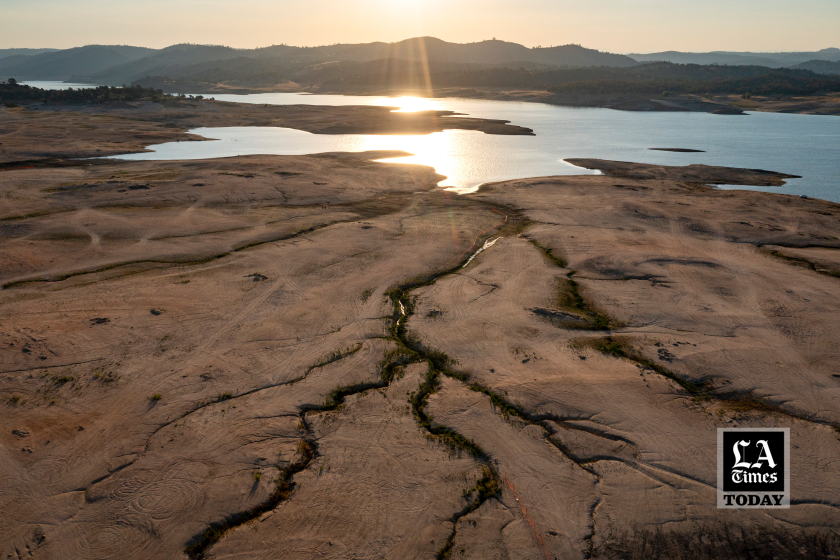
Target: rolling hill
160,62
62,65
113,65
5,53
820,66
408,63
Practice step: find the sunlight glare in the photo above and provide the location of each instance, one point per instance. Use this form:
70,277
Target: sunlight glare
451,153
445,151
410,104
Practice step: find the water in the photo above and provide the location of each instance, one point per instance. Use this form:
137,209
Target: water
56,85
806,145
466,158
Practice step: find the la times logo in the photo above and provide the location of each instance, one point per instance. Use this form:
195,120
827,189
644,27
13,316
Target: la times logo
753,468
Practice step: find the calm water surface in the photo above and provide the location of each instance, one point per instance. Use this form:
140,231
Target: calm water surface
804,145
56,85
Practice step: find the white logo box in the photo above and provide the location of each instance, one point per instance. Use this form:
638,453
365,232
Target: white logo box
763,496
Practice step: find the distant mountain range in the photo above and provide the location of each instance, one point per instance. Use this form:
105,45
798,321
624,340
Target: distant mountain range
4,53
354,65
771,60
63,65
113,65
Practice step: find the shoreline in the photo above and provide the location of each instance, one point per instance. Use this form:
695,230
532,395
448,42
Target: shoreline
91,131
826,105
716,104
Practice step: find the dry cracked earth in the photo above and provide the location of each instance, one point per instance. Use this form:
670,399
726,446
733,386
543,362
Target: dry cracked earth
322,356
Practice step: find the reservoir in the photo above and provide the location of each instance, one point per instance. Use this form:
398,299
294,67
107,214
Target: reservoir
806,145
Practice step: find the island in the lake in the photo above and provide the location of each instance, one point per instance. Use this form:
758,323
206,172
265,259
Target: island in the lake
323,356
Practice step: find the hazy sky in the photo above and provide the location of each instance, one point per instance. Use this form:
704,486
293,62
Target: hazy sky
611,25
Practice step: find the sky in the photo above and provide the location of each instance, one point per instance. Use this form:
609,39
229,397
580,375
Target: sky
621,26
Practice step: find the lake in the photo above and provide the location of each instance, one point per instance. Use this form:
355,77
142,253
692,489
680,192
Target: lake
806,145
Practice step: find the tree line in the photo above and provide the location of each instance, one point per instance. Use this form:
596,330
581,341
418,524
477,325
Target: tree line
644,78
11,93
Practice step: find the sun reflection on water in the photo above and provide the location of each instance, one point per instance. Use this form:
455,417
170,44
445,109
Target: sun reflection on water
456,154
466,158
409,104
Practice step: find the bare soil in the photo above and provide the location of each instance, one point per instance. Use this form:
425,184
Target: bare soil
286,356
